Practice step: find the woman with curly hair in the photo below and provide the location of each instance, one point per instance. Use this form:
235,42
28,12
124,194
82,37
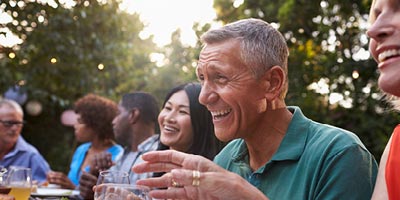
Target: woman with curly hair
93,129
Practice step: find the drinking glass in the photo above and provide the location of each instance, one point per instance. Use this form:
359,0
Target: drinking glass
111,191
19,179
111,176
4,188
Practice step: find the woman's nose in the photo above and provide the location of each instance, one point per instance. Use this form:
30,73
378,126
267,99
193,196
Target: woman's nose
381,28
170,117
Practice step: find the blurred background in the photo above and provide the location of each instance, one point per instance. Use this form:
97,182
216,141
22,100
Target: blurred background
53,52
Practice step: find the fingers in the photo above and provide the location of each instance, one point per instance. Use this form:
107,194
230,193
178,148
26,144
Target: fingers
187,177
172,156
159,182
87,180
170,193
116,191
101,161
56,177
154,167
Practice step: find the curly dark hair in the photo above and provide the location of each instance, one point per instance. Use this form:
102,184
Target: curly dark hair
97,113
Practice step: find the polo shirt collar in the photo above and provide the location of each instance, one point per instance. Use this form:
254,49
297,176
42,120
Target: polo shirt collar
294,142
292,145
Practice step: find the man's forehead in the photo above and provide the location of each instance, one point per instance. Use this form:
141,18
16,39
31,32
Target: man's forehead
7,109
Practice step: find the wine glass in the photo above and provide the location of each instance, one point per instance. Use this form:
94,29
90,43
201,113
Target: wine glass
110,176
111,191
19,179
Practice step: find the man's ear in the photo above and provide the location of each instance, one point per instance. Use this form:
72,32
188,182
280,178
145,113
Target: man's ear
134,116
275,81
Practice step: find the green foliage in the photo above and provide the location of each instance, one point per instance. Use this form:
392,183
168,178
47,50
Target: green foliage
179,64
324,38
67,52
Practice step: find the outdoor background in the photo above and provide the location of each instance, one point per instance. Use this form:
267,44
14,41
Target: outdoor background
68,48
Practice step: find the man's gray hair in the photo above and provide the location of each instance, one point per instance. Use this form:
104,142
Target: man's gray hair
12,104
262,46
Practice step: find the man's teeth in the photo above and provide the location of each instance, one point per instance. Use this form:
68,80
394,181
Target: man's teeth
220,113
387,54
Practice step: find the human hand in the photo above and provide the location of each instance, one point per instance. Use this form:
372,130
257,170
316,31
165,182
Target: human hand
192,177
6,197
61,179
86,183
101,161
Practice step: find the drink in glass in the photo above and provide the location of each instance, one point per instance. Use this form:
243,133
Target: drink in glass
19,180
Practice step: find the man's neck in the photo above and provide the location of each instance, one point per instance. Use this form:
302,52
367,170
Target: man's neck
5,149
265,141
144,134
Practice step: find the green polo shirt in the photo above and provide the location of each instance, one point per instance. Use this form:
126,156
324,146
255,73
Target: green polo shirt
313,161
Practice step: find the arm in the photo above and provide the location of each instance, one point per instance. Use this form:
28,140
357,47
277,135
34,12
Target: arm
86,184
214,181
61,179
39,167
380,190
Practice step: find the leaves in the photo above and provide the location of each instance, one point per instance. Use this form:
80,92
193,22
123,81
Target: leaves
68,52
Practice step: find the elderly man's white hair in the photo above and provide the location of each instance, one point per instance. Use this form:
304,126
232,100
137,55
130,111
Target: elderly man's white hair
12,104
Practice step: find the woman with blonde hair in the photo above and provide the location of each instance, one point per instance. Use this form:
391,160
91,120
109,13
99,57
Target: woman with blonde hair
384,46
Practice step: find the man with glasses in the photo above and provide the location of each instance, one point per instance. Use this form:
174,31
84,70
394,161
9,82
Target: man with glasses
14,150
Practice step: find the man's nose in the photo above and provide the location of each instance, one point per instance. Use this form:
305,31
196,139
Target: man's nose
207,94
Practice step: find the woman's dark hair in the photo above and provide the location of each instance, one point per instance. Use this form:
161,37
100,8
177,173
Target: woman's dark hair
97,113
204,141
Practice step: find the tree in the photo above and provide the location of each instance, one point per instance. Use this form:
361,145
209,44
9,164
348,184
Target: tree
331,78
89,46
178,65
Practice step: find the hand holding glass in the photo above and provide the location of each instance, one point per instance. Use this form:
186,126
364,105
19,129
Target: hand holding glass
110,176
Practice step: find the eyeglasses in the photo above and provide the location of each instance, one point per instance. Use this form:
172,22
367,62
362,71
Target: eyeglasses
9,124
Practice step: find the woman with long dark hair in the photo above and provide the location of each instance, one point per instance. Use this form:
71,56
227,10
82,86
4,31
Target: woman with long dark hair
186,125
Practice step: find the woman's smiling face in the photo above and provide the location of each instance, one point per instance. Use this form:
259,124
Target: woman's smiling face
385,43
175,123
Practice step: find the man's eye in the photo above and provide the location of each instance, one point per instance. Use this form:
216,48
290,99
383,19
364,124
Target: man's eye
221,79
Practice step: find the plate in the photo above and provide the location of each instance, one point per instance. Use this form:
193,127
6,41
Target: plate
54,192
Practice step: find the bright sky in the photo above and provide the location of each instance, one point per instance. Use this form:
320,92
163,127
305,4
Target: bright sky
165,16
161,17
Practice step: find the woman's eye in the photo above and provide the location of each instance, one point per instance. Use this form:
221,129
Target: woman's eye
167,108
184,112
